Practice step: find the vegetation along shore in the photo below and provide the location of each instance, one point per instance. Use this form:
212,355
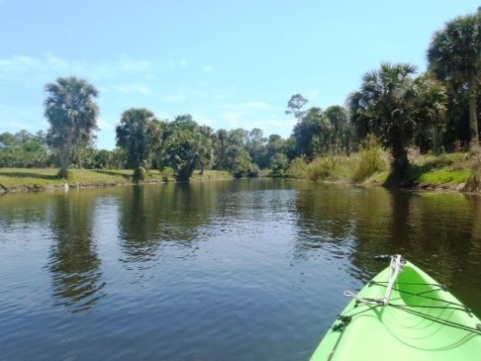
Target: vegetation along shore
399,129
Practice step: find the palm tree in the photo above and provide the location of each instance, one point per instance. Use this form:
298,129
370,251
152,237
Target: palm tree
139,133
454,55
72,114
392,105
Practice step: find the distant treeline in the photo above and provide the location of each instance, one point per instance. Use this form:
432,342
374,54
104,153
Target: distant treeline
434,111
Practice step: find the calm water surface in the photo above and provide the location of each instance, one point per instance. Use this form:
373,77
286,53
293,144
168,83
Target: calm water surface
241,270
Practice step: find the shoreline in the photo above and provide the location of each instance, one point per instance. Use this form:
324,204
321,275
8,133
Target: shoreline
79,181
23,180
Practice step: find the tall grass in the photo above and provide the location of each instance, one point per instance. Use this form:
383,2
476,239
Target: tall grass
299,169
322,168
329,167
371,159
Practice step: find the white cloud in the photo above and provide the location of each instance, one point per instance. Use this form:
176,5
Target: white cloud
220,94
184,64
174,98
203,120
233,118
51,65
18,118
207,69
129,65
19,64
132,89
106,123
173,64
246,106
256,105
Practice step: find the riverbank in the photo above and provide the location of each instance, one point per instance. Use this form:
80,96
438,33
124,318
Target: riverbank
370,167
40,179
455,172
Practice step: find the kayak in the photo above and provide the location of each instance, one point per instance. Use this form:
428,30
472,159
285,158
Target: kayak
402,314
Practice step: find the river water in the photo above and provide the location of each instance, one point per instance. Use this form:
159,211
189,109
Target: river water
234,270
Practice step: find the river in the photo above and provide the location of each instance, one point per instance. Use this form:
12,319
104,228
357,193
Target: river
231,270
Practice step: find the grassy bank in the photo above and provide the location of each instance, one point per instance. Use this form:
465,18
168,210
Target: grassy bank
371,166
32,179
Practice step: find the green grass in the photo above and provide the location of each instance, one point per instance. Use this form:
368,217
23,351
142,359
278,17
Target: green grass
455,168
444,176
12,179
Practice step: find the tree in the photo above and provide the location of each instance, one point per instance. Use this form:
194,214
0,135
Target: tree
256,147
72,114
23,150
239,162
311,134
220,140
185,147
139,134
392,105
294,106
279,165
454,55
341,130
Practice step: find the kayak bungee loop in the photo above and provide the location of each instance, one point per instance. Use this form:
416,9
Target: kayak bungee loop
395,268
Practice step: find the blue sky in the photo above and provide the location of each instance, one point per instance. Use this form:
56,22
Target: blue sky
228,63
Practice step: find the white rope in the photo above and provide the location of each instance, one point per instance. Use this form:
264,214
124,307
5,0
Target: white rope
360,299
395,268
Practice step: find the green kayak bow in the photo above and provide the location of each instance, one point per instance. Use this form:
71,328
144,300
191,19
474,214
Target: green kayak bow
402,314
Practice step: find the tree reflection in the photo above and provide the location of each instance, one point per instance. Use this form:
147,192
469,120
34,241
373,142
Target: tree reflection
23,209
75,265
325,220
165,213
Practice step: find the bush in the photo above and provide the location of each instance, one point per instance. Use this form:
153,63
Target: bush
139,174
298,169
372,158
324,168
280,165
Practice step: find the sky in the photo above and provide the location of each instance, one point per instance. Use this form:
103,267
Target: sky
230,64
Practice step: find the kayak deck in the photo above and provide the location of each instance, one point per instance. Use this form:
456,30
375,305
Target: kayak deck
421,321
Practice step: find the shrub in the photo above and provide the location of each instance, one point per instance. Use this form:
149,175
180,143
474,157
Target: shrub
372,158
298,169
323,168
280,165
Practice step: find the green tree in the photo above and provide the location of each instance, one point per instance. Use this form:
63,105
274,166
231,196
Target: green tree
311,134
239,162
72,114
454,55
256,147
295,105
279,165
186,147
275,144
341,130
220,143
23,150
139,134
392,105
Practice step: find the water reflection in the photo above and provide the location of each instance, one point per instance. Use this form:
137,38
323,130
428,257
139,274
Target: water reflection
439,232
325,221
15,212
150,216
74,262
